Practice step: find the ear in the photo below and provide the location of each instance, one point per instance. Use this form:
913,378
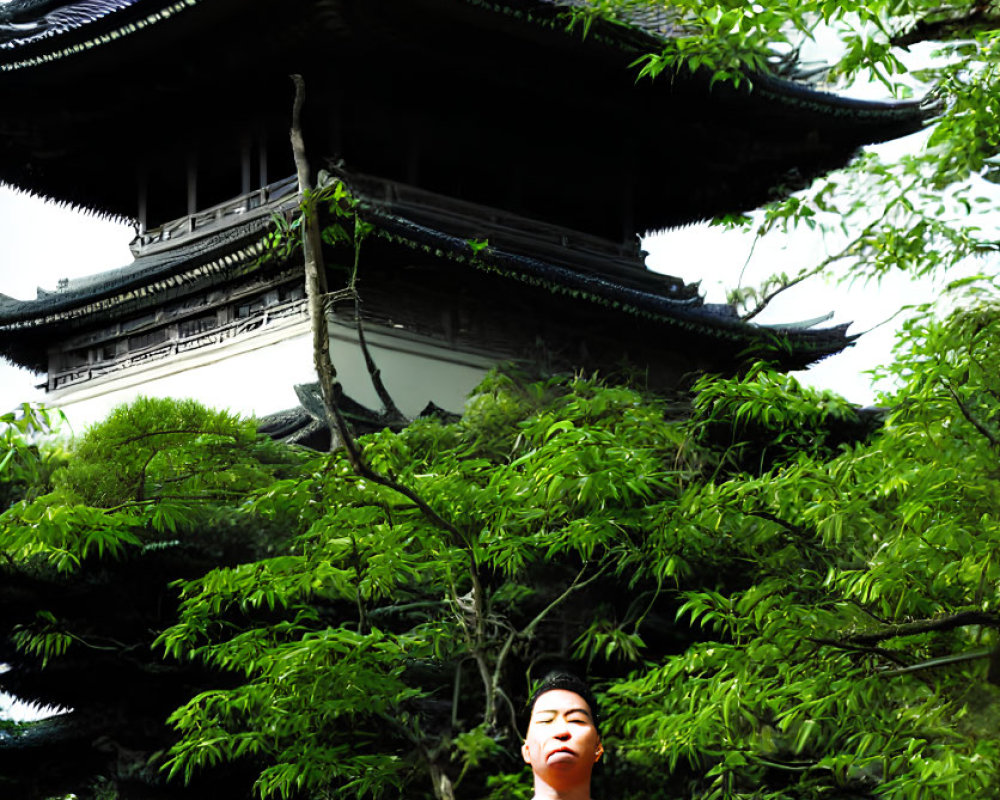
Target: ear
598,752
525,754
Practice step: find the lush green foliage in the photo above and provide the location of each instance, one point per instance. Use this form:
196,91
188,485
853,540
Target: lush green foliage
770,607
855,655
777,596
25,469
146,497
151,469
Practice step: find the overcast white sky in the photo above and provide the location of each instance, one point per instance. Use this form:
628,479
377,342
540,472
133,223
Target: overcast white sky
40,243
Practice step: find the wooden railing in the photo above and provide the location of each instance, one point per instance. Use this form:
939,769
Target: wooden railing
582,252
172,347
216,216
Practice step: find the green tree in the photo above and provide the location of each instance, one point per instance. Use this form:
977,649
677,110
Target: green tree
833,597
145,498
26,468
772,607
777,595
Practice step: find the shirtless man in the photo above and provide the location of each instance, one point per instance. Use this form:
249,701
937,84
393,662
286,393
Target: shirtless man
563,743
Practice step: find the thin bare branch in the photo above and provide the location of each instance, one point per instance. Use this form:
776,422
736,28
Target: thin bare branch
848,250
766,300
574,586
316,289
967,413
881,652
948,26
934,663
390,409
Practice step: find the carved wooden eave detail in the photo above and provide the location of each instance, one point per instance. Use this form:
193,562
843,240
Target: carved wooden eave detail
431,255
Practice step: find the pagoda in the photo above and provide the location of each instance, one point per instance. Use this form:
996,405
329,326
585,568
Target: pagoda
503,162
506,162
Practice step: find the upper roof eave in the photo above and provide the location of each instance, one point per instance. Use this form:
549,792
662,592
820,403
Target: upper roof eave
844,123
65,31
86,295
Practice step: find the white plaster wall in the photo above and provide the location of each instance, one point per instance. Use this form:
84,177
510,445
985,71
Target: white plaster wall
255,374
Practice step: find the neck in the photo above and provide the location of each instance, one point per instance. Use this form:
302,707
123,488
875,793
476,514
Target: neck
545,791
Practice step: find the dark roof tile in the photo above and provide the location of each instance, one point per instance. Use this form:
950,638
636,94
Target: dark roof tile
25,22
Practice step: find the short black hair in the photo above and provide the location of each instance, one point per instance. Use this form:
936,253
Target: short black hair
567,681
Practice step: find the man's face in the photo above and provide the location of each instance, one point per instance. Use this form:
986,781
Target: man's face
562,743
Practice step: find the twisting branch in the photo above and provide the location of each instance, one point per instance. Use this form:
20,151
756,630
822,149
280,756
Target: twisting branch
802,276
577,583
332,393
850,249
316,290
315,276
945,623
494,685
389,406
967,413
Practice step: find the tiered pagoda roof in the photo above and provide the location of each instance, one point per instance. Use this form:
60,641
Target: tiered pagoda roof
470,243
505,164
148,110
493,101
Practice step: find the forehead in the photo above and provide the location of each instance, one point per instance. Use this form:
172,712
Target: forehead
560,700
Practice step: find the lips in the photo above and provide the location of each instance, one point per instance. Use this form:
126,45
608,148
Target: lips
561,754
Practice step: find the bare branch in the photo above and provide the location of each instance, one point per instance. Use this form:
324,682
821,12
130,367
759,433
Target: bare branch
492,681
850,249
881,652
766,300
967,413
946,27
316,289
574,586
933,663
945,623
391,410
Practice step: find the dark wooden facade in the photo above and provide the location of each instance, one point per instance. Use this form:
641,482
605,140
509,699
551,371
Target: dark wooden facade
492,102
539,138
